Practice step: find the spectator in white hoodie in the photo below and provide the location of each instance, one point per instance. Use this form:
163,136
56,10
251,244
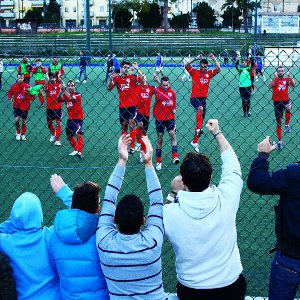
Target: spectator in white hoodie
200,225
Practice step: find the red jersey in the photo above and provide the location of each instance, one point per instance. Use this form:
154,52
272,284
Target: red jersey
126,86
253,68
165,103
20,94
144,95
281,89
52,92
74,106
201,81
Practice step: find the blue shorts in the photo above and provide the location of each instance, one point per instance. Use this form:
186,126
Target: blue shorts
142,118
280,107
20,113
196,102
127,113
54,114
74,127
168,124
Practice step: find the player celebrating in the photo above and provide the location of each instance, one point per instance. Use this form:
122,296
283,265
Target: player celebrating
25,68
281,98
164,111
75,117
126,84
57,69
159,65
53,109
259,67
39,74
200,86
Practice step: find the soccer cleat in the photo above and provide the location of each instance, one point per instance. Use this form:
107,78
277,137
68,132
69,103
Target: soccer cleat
158,166
23,137
84,81
196,147
52,138
137,147
18,136
279,145
243,115
176,161
73,153
79,154
131,151
76,80
57,143
287,128
249,114
199,132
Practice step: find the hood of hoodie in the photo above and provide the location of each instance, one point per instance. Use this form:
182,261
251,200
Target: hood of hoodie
74,226
26,213
198,205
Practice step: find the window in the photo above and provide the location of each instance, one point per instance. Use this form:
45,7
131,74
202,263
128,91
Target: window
67,9
74,8
101,9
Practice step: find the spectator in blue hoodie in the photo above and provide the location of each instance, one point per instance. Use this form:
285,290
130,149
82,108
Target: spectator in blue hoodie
73,242
26,242
116,64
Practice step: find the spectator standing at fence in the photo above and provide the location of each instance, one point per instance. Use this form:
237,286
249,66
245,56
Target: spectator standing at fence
259,67
200,86
164,111
245,84
1,72
284,279
131,257
225,56
116,64
57,69
8,289
82,67
159,64
25,68
73,242
74,131
24,239
39,74
126,84
109,67
53,109
208,263
281,100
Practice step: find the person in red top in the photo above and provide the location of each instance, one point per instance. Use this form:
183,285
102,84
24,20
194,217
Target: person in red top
73,102
126,84
164,111
19,96
281,98
39,74
53,109
250,62
200,86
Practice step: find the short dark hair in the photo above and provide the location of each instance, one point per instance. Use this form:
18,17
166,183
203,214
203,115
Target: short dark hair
129,214
86,197
165,78
204,61
125,62
196,171
38,59
51,74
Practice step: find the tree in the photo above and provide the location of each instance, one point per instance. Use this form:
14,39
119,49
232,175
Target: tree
205,15
181,21
231,17
243,6
150,9
165,14
35,14
52,14
122,16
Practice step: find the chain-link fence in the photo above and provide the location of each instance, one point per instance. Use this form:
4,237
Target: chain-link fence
27,165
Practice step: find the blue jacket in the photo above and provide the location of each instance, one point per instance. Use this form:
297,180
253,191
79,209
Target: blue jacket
74,251
286,183
24,240
116,64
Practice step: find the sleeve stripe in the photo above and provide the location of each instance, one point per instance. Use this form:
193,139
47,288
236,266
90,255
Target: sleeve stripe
114,187
136,265
156,190
155,216
106,215
136,294
130,280
106,200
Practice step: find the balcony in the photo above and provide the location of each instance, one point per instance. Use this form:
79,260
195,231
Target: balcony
4,4
7,14
37,3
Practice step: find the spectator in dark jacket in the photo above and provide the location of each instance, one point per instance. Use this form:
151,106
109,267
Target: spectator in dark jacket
82,67
7,281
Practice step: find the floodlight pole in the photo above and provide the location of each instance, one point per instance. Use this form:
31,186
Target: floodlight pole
255,27
109,25
87,28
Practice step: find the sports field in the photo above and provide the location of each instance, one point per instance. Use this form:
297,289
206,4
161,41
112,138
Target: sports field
27,165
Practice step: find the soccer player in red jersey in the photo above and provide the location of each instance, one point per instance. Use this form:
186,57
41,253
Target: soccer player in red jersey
19,96
164,111
53,109
200,86
282,103
73,102
126,84
39,74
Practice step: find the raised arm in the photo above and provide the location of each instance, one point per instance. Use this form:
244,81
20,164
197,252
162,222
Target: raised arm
61,189
188,62
217,64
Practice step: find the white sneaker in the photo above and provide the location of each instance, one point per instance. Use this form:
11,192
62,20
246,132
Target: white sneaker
176,161
52,138
73,153
84,81
137,147
57,143
18,136
158,166
23,137
79,154
196,147
76,80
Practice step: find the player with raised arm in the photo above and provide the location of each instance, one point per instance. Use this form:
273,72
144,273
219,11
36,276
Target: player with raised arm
126,84
200,85
281,99
39,74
